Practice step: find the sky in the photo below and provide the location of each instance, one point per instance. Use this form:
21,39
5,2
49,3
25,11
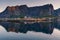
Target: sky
29,3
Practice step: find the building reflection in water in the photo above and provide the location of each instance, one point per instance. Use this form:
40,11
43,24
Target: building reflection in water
44,27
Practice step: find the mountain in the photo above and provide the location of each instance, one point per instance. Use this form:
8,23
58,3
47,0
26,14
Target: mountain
41,11
14,11
57,12
23,10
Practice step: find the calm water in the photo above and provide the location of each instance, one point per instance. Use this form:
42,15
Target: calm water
30,31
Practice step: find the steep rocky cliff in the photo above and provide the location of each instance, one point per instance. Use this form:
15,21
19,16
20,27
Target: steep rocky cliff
23,10
40,11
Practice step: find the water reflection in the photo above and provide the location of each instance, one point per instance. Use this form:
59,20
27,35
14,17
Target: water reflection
30,31
23,27
45,27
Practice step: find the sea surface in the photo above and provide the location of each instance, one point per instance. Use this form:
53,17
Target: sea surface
30,31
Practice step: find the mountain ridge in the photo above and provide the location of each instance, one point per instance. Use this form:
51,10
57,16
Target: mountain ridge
24,10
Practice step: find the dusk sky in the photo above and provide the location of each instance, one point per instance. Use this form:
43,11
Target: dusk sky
5,3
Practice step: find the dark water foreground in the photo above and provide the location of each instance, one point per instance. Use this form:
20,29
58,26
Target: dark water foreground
30,31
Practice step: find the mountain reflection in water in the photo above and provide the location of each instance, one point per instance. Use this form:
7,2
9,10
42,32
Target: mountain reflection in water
30,31
44,27
22,27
